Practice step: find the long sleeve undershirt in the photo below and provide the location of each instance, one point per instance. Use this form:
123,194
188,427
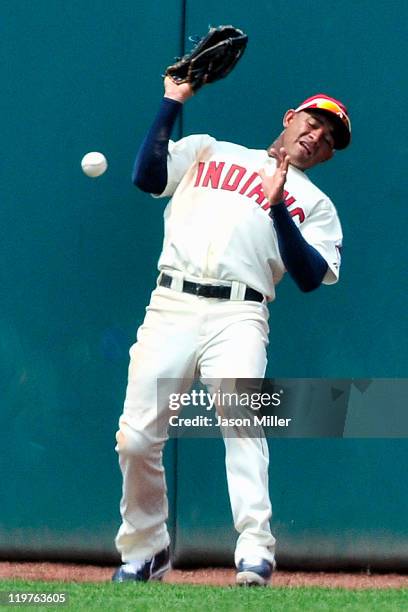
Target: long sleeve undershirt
303,262
150,167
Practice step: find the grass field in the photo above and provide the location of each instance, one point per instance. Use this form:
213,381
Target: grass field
169,597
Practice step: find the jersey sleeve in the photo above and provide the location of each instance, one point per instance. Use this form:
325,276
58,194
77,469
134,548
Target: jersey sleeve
181,155
322,229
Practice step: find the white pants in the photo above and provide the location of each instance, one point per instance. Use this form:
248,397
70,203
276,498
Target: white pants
181,337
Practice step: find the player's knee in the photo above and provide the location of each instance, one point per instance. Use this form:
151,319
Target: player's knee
132,442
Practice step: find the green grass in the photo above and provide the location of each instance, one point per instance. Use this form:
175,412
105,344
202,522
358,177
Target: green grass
168,597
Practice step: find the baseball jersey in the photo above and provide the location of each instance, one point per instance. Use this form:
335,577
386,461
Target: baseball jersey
217,224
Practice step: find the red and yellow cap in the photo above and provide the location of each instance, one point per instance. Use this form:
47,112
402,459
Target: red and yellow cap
337,111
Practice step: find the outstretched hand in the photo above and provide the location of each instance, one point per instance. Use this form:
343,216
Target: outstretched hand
181,92
273,185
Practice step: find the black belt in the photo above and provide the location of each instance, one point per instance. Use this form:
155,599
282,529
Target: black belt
220,292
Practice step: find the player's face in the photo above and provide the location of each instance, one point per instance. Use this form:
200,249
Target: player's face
307,138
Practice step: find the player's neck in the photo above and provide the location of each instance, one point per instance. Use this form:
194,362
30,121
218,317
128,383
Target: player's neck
277,144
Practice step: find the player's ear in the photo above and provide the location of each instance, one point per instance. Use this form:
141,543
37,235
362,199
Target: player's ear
288,117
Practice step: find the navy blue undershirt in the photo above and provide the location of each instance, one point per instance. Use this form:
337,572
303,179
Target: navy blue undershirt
150,167
303,262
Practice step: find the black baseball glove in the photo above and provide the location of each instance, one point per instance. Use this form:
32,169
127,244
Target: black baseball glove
213,57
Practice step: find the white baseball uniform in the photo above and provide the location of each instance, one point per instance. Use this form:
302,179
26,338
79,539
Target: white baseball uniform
217,231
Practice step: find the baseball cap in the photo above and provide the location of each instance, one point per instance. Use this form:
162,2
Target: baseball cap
335,110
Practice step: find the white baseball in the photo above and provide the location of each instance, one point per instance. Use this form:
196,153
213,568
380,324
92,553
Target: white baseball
94,164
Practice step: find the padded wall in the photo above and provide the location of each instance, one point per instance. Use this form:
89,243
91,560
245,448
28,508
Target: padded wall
79,257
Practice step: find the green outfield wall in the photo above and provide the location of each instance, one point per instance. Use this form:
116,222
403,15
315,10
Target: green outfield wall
78,263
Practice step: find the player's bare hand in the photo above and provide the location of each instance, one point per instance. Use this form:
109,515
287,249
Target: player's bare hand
181,92
273,185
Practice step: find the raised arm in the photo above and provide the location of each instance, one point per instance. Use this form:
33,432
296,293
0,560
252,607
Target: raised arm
150,167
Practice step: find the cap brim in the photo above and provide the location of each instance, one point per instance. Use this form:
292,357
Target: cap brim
341,134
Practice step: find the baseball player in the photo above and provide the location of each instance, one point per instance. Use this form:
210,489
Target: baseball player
238,219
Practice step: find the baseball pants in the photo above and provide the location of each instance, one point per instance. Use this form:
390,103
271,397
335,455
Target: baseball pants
184,336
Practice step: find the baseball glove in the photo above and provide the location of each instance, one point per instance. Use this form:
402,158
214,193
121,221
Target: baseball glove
212,58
